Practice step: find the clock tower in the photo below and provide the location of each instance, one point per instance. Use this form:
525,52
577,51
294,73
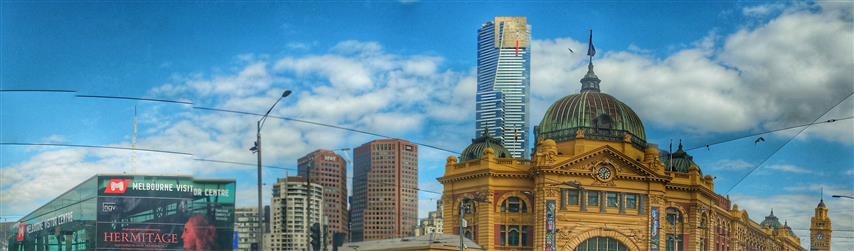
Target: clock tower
820,230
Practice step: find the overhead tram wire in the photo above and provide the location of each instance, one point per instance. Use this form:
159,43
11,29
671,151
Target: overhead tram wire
95,146
766,132
177,153
787,142
294,169
321,124
242,164
258,114
291,119
135,98
37,90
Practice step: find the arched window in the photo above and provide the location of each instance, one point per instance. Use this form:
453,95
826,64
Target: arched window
514,235
601,244
674,241
514,205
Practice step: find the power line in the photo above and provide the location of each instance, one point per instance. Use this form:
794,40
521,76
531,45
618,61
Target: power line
787,142
766,132
136,98
321,124
242,164
294,169
35,90
179,153
94,146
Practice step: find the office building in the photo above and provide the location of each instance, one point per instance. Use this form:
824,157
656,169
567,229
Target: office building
385,195
330,171
504,83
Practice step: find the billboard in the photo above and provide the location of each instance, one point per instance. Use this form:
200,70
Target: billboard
164,213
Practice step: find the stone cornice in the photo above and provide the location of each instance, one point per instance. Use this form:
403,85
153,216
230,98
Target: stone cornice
483,173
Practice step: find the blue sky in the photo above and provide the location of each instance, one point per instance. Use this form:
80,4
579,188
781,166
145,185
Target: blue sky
696,72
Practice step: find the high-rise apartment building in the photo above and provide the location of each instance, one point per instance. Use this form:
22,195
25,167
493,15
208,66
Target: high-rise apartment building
504,83
433,222
246,227
385,195
296,206
330,171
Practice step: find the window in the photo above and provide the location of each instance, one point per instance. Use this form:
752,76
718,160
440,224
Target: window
673,216
593,198
514,205
573,197
601,244
674,242
612,199
631,201
514,236
503,235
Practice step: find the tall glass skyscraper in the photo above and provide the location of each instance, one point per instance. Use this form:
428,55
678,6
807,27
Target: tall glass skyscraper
504,82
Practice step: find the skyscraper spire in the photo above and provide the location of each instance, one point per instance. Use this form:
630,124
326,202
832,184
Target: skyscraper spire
590,82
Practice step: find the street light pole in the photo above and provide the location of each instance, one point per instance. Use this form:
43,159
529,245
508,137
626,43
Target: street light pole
257,150
462,219
842,196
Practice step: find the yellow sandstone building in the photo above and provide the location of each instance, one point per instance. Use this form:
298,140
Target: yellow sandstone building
595,183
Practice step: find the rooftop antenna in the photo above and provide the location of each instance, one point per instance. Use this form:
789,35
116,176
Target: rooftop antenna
670,157
133,145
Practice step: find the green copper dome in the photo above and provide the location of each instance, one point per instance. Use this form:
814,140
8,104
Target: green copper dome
599,115
480,144
679,161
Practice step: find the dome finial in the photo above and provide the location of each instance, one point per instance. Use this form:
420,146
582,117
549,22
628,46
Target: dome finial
590,82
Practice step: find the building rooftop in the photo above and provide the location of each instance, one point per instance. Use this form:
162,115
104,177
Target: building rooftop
425,242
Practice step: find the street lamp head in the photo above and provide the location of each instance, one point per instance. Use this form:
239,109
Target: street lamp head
286,93
835,196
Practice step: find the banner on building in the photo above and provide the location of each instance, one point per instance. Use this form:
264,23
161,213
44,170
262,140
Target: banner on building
551,228
160,213
653,233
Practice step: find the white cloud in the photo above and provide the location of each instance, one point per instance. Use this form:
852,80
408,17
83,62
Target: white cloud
731,165
762,10
355,85
787,168
781,73
796,209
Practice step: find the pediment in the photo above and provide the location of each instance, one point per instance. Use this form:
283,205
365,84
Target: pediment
606,155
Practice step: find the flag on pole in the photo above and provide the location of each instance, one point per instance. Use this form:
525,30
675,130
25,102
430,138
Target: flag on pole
591,51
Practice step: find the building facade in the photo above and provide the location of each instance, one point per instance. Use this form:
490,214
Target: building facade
330,171
385,190
503,83
820,231
132,212
296,206
595,183
246,228
433,222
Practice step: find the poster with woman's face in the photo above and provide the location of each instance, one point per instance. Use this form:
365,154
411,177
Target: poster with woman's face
200,217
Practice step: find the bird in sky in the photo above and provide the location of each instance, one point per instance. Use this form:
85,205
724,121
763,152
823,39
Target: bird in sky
570,50
760,139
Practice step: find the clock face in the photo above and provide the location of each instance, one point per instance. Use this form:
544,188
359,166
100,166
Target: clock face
604,173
